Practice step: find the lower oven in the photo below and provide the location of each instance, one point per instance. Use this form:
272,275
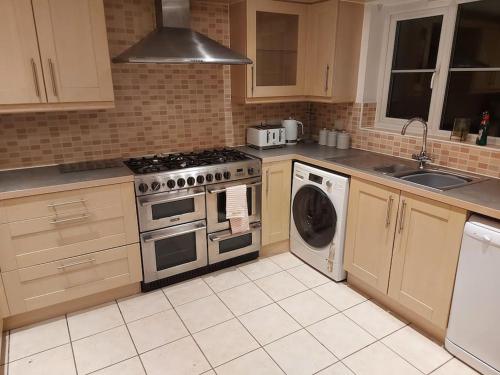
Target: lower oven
170,251
164,210
224,245
216,203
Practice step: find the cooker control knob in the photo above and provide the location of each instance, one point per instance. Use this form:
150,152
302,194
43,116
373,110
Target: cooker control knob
200,179
251,171
143,187
171,184
227,175
191,181
181,182
210,177
218,176
155,186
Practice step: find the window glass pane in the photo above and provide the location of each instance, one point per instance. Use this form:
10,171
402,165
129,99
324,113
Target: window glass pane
409,95
417,43
175,208
277,45
477,35
174,251
468,95
235,243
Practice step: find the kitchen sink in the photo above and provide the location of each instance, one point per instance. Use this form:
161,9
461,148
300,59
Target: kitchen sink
435,179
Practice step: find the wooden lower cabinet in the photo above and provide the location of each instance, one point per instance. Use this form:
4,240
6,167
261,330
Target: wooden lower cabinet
276,190
55,282
404,246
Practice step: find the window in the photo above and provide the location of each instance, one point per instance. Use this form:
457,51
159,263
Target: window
441,64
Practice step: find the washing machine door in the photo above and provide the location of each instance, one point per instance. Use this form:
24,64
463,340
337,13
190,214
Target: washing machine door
314,216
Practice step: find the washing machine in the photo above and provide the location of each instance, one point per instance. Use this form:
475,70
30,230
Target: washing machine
318,219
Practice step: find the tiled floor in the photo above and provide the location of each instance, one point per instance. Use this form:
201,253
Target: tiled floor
271,316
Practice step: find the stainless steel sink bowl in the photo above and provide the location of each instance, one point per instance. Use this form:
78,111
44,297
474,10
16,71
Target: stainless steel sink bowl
436,179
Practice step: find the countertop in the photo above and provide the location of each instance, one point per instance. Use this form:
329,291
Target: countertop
482,197
24,182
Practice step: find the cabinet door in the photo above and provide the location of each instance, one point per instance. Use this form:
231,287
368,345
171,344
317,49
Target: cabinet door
276,38
321,28
371,223
276,189
74,49
426,249
21,80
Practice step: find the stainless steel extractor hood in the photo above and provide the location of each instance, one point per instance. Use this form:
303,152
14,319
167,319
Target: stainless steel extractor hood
173,42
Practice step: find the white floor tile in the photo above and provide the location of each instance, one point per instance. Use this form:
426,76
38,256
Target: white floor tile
37,337
156,330
203,313
244,298
225,342
339,295
286,260
225,279
300,354
211,372
132,366
187,291
377,359
455,367
181,357
253,363
102,350
259,268
308,276
269,323
340,335
57,361
280,285
374,319
417,349
142,305
94,320
307,307
337,369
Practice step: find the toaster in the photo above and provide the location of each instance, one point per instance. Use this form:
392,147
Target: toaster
266,136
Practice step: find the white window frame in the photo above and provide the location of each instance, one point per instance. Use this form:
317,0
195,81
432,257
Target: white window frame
448,10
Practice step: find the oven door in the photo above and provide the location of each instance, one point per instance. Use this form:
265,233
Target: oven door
166,209
225,245
216,203
170,251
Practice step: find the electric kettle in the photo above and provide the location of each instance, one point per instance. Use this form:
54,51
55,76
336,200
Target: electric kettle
291,130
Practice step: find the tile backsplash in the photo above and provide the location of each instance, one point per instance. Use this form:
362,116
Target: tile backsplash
158,108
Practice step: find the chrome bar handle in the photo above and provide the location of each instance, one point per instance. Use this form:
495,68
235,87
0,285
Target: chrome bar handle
53,78
35,78
150,202
153,238
217,191
53,205
402,218
71,219
217,238
253,74
267,183
91,260
389,211
327,77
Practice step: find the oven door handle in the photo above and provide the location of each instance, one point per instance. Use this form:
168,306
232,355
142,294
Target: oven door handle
153,238
151,201
217,238
217,191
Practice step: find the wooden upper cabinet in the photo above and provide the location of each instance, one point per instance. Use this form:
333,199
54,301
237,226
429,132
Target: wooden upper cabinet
21,79
64,64
426,249
371,224
74,50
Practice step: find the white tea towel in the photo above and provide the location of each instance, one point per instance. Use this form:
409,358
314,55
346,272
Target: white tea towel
237,209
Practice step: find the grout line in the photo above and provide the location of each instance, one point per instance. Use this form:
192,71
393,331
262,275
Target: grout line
71,343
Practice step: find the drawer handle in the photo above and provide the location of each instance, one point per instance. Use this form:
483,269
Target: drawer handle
35,78
253,228
153,238
53,205
389,211
59,221
91,260
402,219
53,78
217,191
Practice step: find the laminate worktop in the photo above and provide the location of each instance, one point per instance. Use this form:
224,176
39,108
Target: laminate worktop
482,197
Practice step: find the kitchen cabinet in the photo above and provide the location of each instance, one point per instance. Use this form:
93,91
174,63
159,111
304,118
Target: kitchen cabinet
404,246
276,191
58,56
299,51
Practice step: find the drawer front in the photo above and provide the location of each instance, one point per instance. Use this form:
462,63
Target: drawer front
55,282
63,203
45,239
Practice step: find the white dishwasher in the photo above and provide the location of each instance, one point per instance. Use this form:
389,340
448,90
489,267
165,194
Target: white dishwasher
474,328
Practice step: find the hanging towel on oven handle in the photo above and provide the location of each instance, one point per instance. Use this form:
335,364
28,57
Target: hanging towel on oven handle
237,208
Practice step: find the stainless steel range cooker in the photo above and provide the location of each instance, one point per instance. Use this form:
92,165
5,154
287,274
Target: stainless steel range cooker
181,206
